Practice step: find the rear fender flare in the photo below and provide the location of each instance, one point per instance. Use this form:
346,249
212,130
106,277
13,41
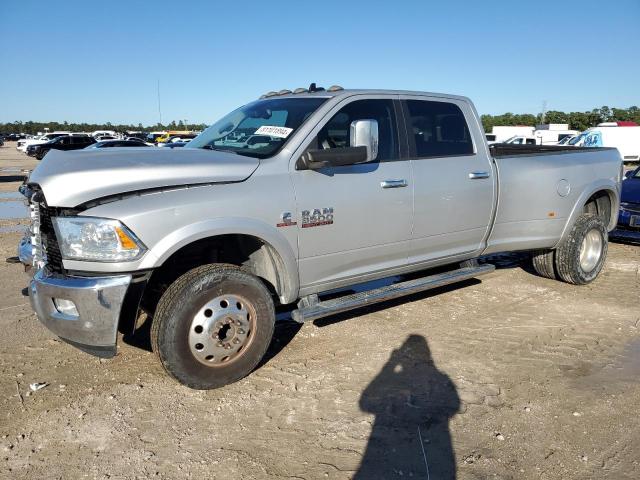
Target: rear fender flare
611,188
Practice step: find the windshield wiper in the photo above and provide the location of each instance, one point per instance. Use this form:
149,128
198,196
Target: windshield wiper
211,147
241,153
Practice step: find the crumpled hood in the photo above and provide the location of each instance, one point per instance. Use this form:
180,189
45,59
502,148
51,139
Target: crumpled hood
69,179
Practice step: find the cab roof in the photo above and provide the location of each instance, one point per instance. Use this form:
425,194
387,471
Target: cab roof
344,92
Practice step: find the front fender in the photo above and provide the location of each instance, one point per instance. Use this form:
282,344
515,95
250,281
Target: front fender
177,239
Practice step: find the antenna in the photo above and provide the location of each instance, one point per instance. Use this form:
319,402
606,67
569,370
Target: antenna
159,109
544,112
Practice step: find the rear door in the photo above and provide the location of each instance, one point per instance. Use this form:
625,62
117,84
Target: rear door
353,220
453,184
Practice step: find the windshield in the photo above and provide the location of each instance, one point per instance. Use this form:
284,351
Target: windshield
576,139
258,129
514,139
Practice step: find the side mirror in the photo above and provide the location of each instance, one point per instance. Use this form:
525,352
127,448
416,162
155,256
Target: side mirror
628,174
364,133
363,138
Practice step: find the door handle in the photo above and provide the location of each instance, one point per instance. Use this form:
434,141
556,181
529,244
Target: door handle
478,175
393,183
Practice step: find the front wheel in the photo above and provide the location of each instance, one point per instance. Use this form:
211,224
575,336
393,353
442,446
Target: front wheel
212,326
580,258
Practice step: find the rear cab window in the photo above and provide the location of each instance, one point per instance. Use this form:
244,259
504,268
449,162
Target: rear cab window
436,129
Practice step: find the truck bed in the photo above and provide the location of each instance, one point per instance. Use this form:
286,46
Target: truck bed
499,150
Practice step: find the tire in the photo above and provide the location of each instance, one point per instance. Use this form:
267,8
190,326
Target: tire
573,262
212,326
40,155
543,262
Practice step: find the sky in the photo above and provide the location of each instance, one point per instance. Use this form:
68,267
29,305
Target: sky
83,61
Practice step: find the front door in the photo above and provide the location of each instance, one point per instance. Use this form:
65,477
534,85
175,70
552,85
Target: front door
353,220
453,184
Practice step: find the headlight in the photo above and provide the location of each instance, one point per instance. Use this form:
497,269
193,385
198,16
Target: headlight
96,239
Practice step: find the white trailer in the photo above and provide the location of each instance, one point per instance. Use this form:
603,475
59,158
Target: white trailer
625,139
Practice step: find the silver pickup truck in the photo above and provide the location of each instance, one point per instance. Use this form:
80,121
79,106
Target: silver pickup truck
291,197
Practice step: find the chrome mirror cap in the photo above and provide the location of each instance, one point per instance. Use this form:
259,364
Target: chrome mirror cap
364,133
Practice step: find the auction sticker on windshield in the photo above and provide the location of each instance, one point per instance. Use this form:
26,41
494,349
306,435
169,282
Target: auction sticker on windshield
280,132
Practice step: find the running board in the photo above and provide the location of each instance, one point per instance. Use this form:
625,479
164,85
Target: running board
311,309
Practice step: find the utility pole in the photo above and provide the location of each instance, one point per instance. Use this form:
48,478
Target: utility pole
159,109
544,112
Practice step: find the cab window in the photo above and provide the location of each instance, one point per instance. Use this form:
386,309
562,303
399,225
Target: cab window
336,132
437,129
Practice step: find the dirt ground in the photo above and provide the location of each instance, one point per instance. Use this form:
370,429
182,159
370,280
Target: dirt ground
508,376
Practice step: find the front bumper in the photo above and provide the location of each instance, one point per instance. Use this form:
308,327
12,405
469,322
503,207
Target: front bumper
98,302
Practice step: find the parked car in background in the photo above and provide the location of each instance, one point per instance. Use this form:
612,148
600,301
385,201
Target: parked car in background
521,140
135,134
172,134
23,144
173,144
1,141
503,133
629,217
153,136
67,142
552,133
566,140
625,138
101,133
118,143
140,140
175,139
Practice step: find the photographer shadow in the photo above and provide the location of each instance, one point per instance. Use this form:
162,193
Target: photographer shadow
412,402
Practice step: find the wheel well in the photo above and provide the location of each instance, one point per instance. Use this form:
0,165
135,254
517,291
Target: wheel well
600,204
251,253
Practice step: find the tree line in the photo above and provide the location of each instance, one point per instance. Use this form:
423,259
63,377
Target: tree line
576,120
31,128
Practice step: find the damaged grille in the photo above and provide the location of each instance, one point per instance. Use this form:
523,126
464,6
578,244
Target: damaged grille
44,243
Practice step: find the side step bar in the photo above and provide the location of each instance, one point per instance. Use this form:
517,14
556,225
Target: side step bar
311,309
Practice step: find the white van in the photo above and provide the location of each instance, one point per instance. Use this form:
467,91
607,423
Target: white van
625,139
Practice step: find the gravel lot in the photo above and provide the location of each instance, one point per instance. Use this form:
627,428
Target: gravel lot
509,376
